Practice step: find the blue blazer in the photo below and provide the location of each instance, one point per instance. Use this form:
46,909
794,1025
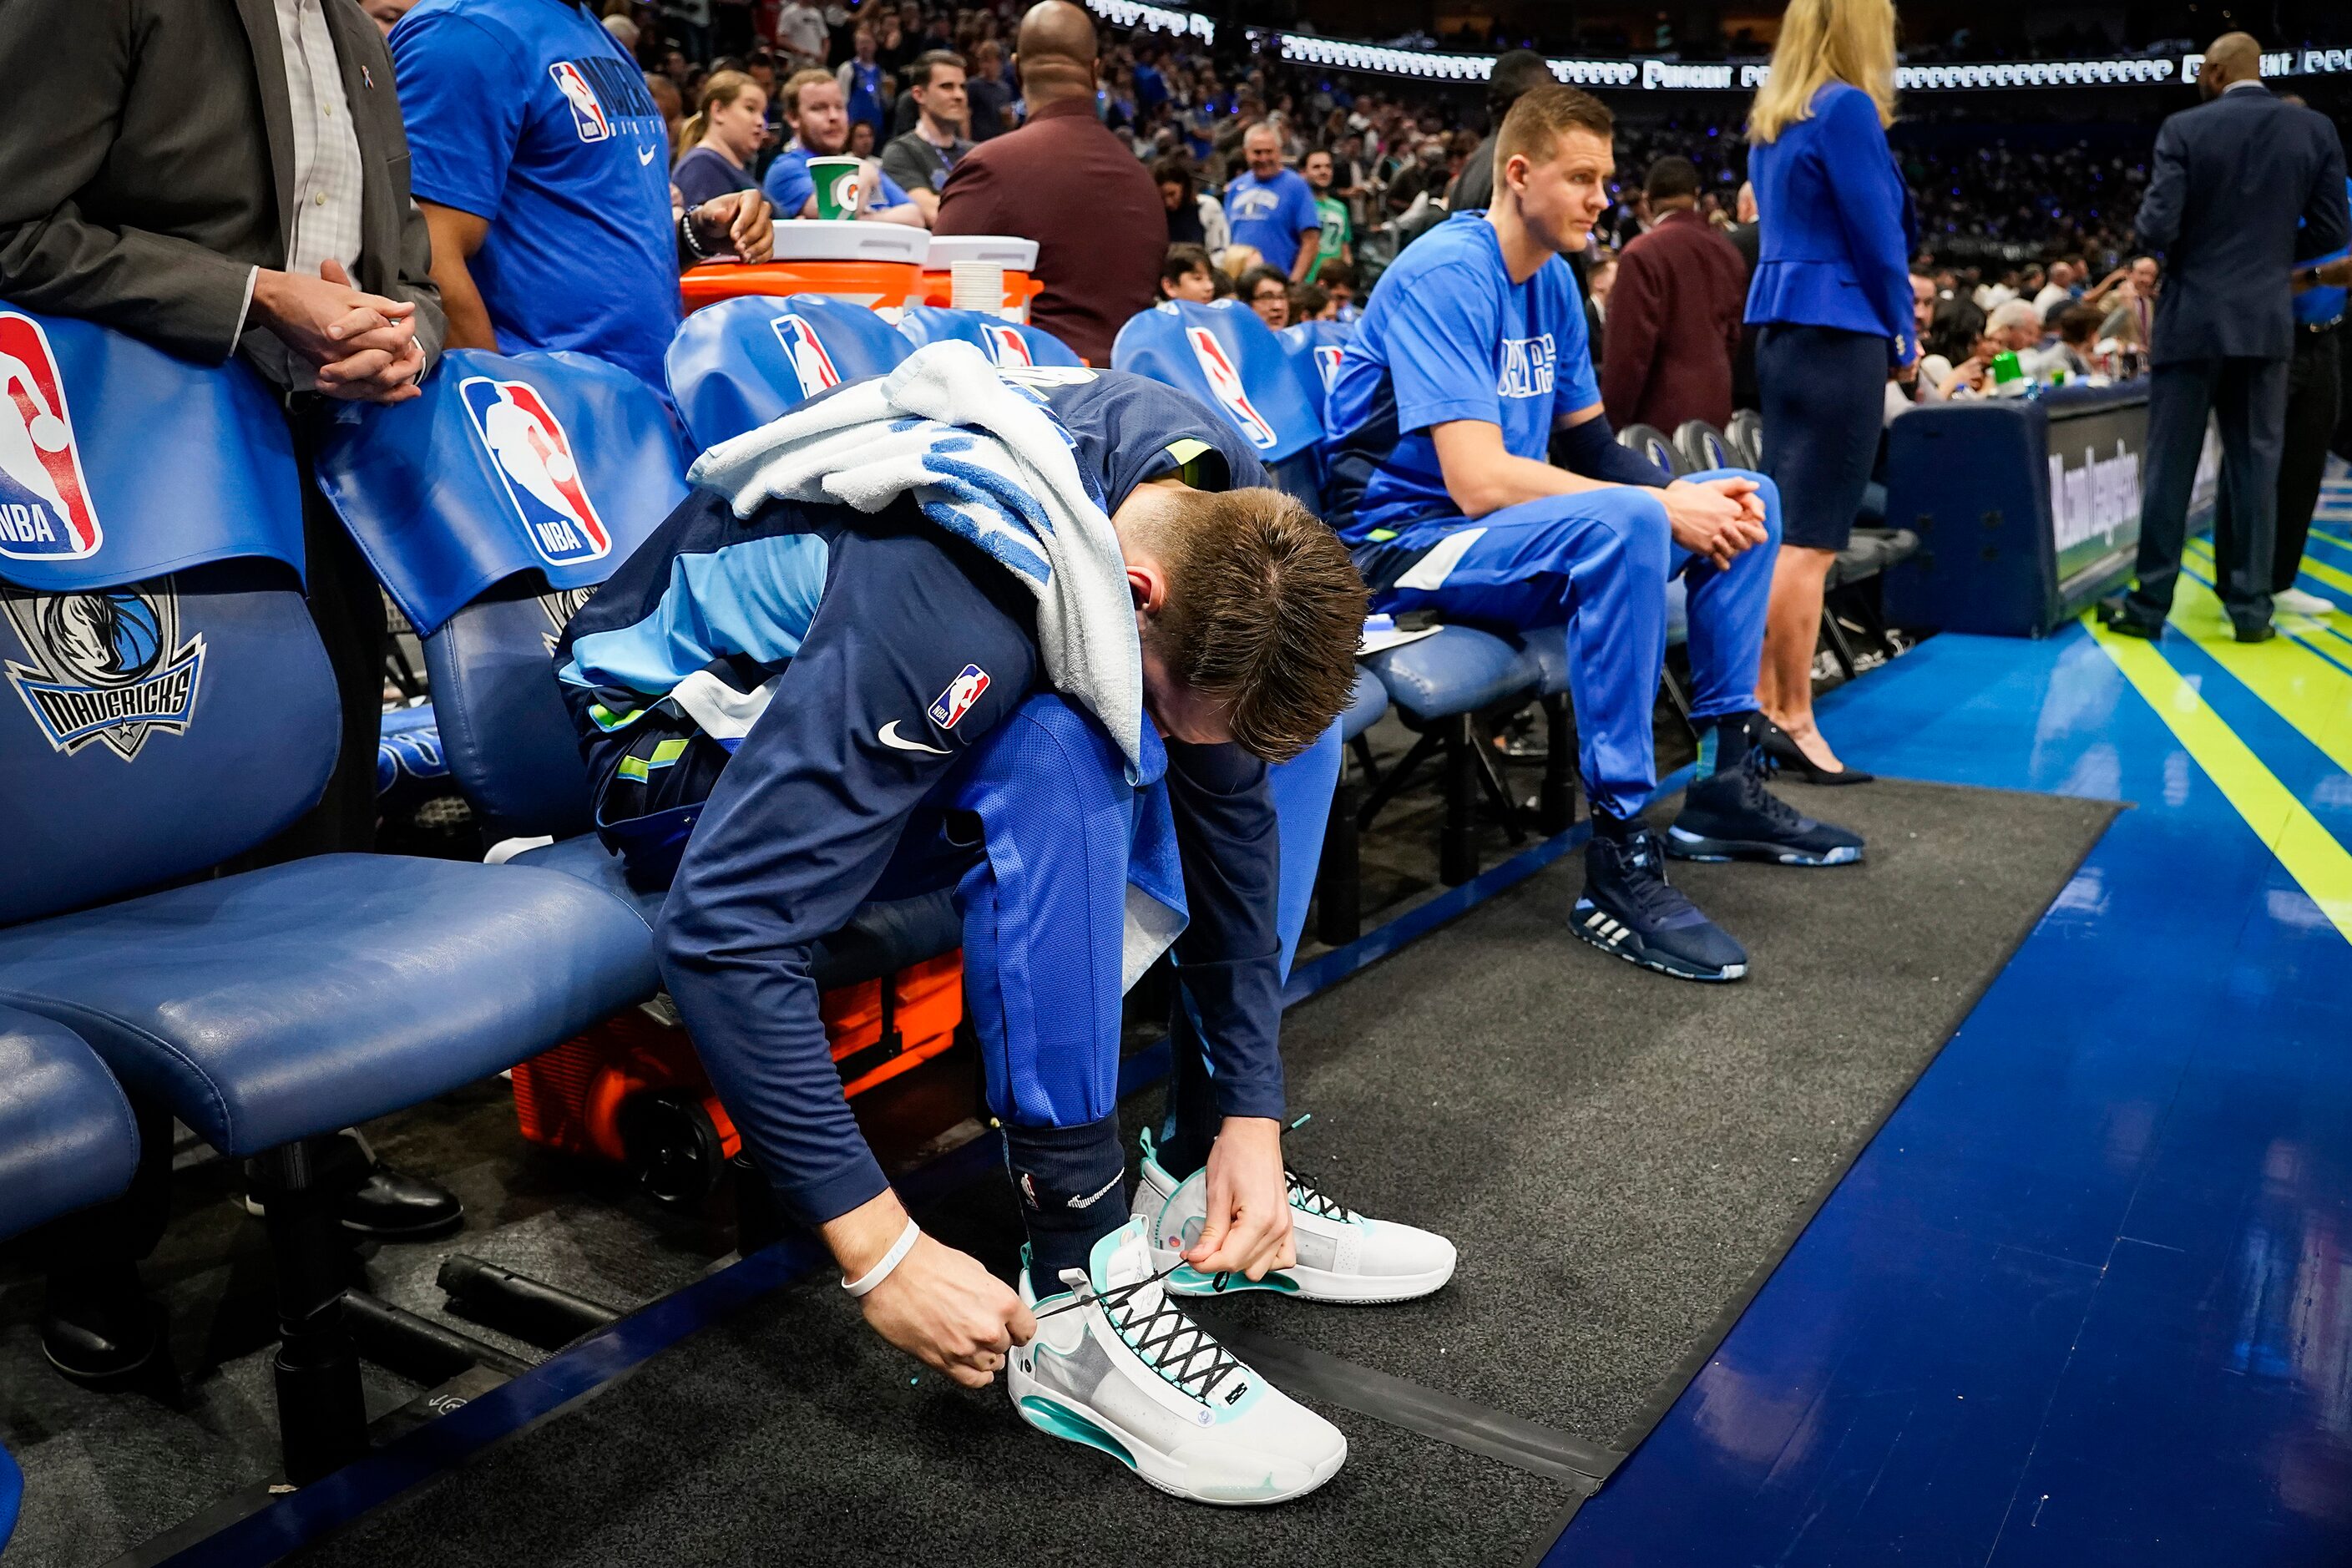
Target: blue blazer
2232,179
1836,225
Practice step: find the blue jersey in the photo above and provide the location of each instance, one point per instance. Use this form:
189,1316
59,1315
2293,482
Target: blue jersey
788,186
866,98
1271,214
528,113
2319,307
1447,335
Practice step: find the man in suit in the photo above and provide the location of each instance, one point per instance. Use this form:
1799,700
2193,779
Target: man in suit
232,219
1673,313
2234,178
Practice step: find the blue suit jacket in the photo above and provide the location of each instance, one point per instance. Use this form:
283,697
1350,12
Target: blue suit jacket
2232,179
1836,225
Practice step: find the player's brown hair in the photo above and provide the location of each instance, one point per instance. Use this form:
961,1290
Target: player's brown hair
1543,115
1263,615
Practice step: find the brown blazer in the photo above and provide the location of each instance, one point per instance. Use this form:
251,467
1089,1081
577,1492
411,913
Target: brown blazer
149,165
1673,327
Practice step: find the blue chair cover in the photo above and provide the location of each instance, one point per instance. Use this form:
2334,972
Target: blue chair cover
1007,344
1313,348
737,365
1232,361
556,464
120,463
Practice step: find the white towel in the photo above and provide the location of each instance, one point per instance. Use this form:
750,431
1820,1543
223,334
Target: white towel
987,463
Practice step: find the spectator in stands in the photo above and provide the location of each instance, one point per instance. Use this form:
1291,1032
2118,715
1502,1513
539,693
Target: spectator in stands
1246,615
1334,242
2244,186
538,160
1187,274
819,116
2078,335
132,202
861,87
1272,209
1338,280
1268,293
922,159
384,14
1515,71
723,138
1675,313
1070,184
2059,290
1194,216
669,105
987,98
2017,327
800,32
1309,302
1468,369
2133,299
1832,298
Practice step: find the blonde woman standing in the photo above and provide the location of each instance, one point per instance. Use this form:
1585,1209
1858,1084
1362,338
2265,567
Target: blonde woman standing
1831,296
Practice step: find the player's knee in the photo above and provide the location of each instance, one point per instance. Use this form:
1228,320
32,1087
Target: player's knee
1644,537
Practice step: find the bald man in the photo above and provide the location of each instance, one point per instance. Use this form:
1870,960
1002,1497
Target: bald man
1272,207
1068,184
2243,187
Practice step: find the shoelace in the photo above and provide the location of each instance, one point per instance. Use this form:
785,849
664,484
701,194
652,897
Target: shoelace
1170,1343
1645,879
1755,797
1306,1194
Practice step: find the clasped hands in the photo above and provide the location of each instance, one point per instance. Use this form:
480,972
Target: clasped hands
360,347
1716,518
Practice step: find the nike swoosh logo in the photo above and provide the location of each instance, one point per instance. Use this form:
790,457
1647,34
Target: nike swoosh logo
644,156
1088,1201
888,735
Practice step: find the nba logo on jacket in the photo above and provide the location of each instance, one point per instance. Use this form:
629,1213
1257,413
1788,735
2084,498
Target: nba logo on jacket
45,508
541,471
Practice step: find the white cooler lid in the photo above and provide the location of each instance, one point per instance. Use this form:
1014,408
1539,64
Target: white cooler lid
1009,251
840,239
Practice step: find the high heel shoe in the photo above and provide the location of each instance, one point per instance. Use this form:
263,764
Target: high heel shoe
1786,756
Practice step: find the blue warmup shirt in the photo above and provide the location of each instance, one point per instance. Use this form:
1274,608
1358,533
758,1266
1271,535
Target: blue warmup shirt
528,113
827,660
789,186
1272,214
1447,335
2319,306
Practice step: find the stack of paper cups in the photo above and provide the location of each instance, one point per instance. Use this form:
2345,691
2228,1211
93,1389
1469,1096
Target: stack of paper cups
977,286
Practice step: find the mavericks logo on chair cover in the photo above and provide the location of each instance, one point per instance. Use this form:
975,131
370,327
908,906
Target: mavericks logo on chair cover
45,508
106,665
1226,381
542,475
560,607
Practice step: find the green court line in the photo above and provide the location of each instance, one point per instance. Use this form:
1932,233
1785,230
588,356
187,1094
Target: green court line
2306,690
2335,577
2309,630
2320,865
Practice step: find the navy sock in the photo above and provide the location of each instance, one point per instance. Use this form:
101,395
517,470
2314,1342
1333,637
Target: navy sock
1071,1181
1609,826
1723,745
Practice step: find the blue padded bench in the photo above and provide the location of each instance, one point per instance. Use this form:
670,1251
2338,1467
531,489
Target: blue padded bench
66,1138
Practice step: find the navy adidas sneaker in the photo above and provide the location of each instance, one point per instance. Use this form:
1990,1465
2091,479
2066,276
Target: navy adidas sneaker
1732,817
1629,909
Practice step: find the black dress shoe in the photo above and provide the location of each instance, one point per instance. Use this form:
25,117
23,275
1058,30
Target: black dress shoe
1786,757
377,1201
2256,631
99,1329
2115,614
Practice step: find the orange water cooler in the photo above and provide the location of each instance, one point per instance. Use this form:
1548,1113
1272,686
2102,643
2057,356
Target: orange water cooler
879,264
1018,258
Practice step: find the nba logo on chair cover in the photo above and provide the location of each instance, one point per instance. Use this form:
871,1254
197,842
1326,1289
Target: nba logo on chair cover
810,363
541,471
1226,381
45,508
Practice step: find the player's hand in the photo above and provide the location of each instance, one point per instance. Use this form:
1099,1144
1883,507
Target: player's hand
325,319
739,222
1715,517
943,1309
1247,1230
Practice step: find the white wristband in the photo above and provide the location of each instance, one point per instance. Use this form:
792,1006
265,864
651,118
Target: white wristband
890,1260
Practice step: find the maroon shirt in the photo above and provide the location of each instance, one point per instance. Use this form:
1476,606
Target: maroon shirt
1673,327
1079,192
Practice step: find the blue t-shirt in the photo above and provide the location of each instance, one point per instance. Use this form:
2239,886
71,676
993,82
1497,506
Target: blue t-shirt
788,186
2317,307
528,113
865,99
1447,335
1272,214
704,175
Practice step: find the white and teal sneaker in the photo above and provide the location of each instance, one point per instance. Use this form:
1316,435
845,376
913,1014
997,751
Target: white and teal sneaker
1342,1256
1118,1367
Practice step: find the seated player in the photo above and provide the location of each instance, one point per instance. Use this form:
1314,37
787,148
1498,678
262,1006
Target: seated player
815,705
1470,364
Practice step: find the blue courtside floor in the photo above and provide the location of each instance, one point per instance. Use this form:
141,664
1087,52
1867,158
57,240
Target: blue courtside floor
2086,1299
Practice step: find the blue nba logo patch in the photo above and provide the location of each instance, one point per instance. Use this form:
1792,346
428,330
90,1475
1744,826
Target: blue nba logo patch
957,700
588,116
541,471
812,366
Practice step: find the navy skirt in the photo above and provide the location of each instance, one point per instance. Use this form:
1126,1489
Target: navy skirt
1824,395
